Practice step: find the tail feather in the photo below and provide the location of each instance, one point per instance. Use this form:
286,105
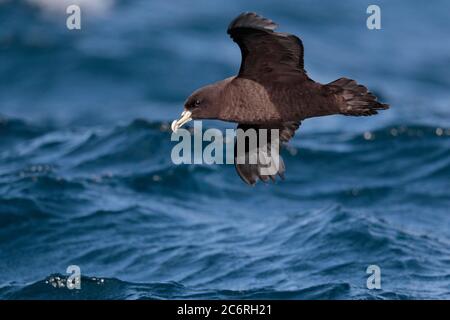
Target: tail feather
357,100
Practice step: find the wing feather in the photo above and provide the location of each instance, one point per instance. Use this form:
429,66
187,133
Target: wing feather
265,53
251,173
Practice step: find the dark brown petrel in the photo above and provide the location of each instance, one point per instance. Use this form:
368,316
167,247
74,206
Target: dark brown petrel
272,89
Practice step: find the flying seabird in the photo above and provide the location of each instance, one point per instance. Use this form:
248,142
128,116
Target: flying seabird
272,90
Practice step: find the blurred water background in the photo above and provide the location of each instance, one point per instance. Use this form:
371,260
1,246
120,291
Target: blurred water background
86,176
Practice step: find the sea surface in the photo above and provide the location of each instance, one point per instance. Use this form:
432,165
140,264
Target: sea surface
86,176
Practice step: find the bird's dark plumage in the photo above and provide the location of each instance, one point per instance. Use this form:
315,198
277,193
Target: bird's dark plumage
265,52
272,90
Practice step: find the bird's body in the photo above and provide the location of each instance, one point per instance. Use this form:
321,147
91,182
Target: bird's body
272,90
248,101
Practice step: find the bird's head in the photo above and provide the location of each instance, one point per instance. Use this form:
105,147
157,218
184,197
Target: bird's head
201,104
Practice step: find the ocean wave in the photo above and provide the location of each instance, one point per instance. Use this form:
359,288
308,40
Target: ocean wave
169,231
319,254
137,155
54,288
327,238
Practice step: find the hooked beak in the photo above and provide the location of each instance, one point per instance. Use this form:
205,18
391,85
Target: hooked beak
185,117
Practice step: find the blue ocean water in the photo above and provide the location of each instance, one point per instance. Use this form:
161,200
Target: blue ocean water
86,176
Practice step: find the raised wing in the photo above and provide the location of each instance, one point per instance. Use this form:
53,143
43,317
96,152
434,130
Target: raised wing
266,53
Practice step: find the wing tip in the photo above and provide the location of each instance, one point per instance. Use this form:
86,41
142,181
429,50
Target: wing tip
251,174
253,21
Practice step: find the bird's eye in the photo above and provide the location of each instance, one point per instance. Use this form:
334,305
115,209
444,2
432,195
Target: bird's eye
197,103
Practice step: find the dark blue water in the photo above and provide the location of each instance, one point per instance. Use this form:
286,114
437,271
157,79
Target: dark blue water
86,176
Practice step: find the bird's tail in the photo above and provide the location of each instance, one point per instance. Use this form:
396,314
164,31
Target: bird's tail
356,99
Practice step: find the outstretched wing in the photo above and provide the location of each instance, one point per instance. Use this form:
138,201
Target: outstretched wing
266,54
250,173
